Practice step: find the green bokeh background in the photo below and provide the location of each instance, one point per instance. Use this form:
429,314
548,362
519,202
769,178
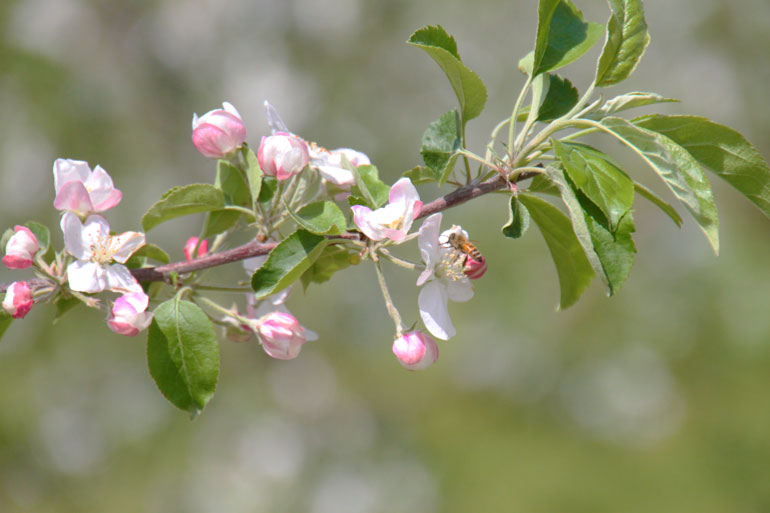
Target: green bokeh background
653,400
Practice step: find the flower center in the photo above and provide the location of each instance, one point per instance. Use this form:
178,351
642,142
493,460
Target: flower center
451,265
103,248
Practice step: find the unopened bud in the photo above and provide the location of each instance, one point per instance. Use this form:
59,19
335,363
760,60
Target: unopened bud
129,315
475,269
281,334
282,155
415,350
219,132
18,299
21,248
189,248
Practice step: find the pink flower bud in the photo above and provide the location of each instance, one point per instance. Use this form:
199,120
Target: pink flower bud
475,269
282,155
189,247
219,132
18,299
281,334
129,315
415,350
21,248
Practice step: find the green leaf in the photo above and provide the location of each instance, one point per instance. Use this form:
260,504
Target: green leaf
286,262
518,219
332,259
183,355
253,173
219,221
566,38
233,184
470,90
627,39
321,218
5,322
572,266
421,174
268,189
440,143
64,305
42,233
542,184
628,101
599,179
7,234
616,249
182,201
577,217
561,97
721,150
656,200
154,252
678,170
369,186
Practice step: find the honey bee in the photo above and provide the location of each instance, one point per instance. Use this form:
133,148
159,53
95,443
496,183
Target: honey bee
461,243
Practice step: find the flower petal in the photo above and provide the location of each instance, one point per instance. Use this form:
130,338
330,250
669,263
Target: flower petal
433,310
73,196
68,170
120,279
72,229
124,245
86,276
459,291
362,217
429,245
102,191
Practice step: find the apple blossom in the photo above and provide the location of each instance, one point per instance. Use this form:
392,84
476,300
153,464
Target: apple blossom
94,248
282,155
219,132
475,269
415,350
129,315
21,248
443,278
18,299
82,191
189,247
281,335
330,164
394,219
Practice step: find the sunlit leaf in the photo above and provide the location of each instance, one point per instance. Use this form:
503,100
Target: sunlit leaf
567,37
518,219
440,143
627,101
321,218
182,201
627,39
561,97
657,201
286,262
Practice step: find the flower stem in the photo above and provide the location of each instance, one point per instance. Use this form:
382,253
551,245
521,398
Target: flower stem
392,311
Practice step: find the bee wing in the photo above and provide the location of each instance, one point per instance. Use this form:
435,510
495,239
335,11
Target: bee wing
274,120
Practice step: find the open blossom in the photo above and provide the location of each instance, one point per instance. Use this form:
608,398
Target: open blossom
21,248
329,164
394,219
95,250
415,350
218,132
18,299
189,247
443,279
82,191
129,314
282,155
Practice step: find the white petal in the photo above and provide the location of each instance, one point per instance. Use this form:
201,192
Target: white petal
86,276
120,279
433,310
124,245
336,175
460,291
72,229
96,228
68,170
429,245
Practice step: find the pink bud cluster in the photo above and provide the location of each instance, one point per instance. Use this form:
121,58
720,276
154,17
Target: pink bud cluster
218,133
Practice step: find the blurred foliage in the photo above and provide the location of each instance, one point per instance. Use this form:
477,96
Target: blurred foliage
654,400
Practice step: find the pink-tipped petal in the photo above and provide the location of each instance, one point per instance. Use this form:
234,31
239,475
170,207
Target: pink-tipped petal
73,197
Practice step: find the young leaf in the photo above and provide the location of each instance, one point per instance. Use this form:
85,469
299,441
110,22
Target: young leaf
567,37
470,90
440,143
627,39
253,173
601,181
154,252
183,355
577,217
615,250
421,174
572,266
233,184
369,186
42,233
267,190
627,101
332,259
720,149
542,184
219,221
286,262
678,170
561,97
656,200
182,201
321,218
5,321
518,219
